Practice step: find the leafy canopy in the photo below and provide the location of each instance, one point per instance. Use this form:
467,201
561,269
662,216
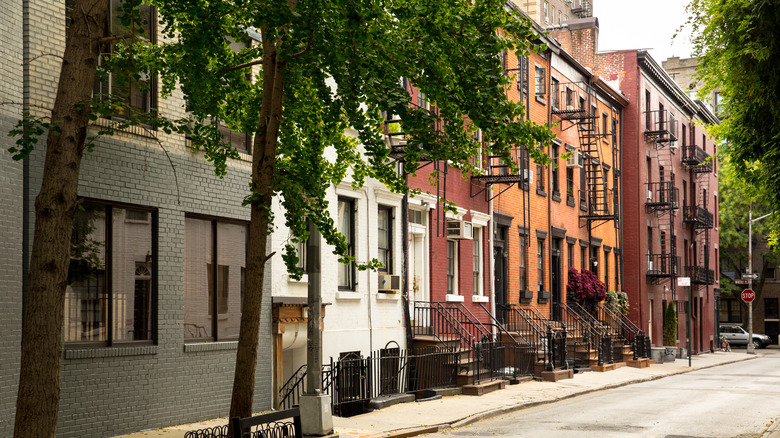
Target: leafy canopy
736,44
342,63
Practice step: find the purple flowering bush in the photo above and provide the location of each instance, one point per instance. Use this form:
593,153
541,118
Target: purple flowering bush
586,288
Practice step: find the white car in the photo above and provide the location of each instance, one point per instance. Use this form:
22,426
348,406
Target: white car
736,335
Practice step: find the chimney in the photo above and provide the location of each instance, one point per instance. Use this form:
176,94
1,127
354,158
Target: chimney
580,38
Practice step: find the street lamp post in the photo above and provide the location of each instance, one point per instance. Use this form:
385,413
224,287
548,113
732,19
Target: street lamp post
750,348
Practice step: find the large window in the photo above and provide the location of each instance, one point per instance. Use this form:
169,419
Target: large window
730,311
541,84
214,272
385,238
540,264
135,92
110,296
522,259
554,168
346,226
476,254
452,267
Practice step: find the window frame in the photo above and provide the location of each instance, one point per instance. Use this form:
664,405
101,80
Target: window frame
540,265
109,270
350,237
452,266
477,257
388,256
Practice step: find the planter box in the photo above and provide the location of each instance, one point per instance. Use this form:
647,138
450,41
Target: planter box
670,354
657,354
543,297
526,296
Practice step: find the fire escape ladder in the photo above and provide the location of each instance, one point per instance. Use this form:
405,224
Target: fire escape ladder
499,172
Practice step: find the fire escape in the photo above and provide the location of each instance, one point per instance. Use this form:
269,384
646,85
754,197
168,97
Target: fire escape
571,106
662,197
697,216
582,8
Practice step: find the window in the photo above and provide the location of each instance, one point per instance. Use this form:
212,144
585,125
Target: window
385,238
769,269
617,271
417,217
648,114
594,260
606,270
476,254
300,249
136,93
683,139
540,171
540,264
583,258
583,188
554,92
604,124
214,267
541,85
111,289
570,183
522,74
546,11
346,226
730,311
555,169
523,256
502,57
452,267
570,255
422,100
771,310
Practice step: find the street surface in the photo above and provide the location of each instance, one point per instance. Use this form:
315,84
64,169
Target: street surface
735,400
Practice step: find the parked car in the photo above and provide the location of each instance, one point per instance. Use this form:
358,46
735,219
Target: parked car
736,335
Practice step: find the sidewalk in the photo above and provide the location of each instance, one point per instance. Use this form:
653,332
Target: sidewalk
408,419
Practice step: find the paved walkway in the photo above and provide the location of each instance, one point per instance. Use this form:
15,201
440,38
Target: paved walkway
408,419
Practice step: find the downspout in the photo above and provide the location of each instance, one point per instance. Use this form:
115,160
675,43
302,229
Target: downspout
405,261
549,183
368,286
622,209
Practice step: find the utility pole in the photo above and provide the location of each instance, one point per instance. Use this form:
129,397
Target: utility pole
750,348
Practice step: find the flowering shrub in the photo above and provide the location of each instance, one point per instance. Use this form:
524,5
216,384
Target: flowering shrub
617,301
586,288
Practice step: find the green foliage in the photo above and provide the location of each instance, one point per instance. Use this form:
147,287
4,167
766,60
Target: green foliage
618,301
341,65
670,325
736,43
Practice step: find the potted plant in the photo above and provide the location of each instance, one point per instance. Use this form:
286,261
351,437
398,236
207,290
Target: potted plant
670,333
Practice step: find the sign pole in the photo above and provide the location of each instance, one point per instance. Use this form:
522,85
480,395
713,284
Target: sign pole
750,349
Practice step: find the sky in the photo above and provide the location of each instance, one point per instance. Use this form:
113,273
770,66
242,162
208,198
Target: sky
643,24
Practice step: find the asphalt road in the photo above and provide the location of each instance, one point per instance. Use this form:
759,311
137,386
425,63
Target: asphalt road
736,400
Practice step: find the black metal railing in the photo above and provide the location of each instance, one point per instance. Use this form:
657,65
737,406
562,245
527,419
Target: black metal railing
606,350
290,393
700,274
641,346
448,322
601,330
662,194
698,216
661,126
499,360
693,155
536,332
580,335
663,265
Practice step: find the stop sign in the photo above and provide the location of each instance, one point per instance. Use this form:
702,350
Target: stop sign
748,295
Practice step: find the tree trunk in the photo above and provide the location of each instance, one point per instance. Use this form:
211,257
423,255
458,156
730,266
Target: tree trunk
38,398
263,165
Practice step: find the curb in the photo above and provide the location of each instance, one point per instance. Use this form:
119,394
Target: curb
471,419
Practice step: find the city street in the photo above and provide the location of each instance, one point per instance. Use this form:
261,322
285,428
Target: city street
733,400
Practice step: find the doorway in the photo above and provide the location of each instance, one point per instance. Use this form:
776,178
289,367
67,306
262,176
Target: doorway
501,271
555,278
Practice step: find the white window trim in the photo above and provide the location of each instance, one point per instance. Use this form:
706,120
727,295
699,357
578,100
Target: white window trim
481,284
456,262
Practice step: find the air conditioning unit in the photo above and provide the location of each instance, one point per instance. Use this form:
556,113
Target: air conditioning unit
459,230
570,108
575,159
649,265
389,283
649,195
528,176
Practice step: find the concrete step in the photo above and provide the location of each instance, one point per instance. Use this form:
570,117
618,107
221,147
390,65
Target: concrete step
483,388
639,363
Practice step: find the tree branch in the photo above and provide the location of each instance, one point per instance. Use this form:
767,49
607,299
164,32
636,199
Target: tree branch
244,65
305,49
111,39
29,61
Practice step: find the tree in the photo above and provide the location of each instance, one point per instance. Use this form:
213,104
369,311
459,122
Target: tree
736,199
735,42
318,69
586,288
670,325
66,133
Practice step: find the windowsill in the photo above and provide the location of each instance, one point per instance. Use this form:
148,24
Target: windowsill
382,296
541,100
195,347
304,279
91,353
147,131
480,299
583,206
570,201
348,295
556,197
452,298
541,192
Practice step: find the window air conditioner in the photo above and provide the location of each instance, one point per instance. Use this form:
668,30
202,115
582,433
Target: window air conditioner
389,283
574,160
570,108
649,195
459,230
649,265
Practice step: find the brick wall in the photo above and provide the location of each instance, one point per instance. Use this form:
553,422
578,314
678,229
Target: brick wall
11,219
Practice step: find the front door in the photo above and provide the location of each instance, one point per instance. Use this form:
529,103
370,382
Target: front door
555,278
500,260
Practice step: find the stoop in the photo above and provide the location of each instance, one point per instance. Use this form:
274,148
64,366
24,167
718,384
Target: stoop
604,368
642,362
556,375
483,388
